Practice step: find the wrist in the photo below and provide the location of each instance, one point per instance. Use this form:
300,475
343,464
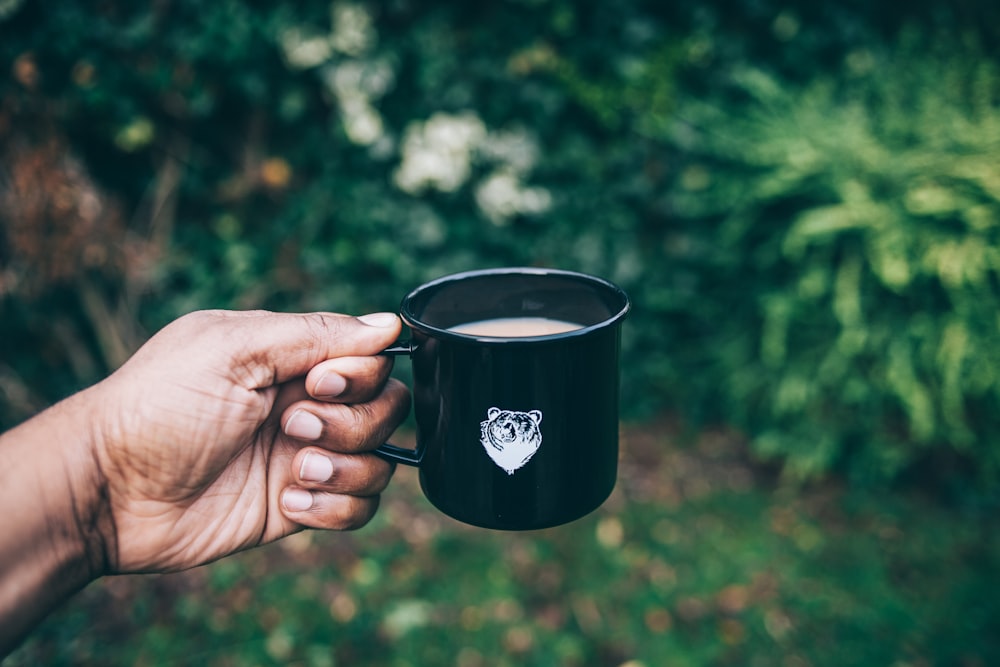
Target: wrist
91,527
57,527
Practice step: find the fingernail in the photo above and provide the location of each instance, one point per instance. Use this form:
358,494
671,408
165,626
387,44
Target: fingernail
379,319
296,500
315,468
303,426
330,385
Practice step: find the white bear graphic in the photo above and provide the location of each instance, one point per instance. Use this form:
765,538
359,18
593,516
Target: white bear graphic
511,438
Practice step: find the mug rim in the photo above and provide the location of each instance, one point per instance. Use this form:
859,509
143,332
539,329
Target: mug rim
416,323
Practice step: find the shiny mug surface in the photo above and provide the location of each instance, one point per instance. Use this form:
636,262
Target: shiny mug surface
516,431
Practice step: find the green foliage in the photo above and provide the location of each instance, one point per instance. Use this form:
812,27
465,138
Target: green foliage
854,226
801,200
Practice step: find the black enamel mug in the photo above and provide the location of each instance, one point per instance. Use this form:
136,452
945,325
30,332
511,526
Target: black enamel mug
514,431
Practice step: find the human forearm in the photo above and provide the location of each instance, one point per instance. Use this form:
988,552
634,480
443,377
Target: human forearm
55,523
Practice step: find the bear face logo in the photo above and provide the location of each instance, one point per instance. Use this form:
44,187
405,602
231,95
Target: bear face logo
511,438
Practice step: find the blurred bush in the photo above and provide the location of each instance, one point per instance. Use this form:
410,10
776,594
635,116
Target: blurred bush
801,200
848,233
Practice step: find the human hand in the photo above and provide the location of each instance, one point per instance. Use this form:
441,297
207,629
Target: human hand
233,429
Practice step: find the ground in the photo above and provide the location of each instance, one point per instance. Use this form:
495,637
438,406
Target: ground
702,556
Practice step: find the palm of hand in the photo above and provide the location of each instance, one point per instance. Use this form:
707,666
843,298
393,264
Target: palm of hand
197,484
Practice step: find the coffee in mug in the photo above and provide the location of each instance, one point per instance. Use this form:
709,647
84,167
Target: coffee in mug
515,389
515,327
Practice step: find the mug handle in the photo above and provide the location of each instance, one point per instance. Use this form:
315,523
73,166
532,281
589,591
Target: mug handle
402,347
392,453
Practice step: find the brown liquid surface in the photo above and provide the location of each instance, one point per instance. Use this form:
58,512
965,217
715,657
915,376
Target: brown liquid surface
516,327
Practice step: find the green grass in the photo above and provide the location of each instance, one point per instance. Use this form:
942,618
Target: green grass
699,558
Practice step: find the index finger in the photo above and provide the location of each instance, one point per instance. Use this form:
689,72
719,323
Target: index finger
348,379
286,345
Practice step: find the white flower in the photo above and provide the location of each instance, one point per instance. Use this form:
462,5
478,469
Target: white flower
501,196
368,78
497,196
516,149
355,84
362,123
302,50
353,30
454,134
438,152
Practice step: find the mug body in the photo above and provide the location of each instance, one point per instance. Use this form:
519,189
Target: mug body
516,433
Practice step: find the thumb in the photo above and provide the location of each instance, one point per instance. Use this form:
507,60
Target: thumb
287,345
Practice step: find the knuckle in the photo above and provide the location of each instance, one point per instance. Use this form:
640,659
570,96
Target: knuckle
363,426
363,422
354,512
371,371
375,474
193,323
323,326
